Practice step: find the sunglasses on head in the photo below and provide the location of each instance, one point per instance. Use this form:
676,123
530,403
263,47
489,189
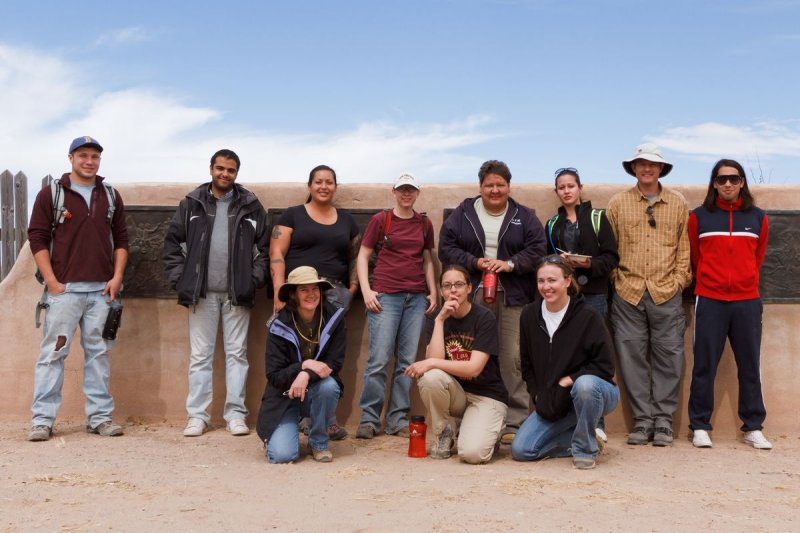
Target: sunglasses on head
553,259
735,179
650,218
566,170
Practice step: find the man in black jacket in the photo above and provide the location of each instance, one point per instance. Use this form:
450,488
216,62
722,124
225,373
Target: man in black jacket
215,257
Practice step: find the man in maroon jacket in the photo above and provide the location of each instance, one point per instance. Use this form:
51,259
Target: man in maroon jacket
80,245
728,241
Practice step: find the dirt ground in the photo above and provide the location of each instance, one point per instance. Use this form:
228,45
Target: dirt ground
154,479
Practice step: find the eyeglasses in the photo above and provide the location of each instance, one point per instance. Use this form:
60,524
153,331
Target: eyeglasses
456,285
650,218
564,170
735,179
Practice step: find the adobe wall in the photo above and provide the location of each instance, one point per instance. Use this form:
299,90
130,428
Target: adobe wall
151,357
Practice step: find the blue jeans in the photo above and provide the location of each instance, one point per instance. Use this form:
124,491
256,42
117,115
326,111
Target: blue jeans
592,397
66,312
393,331
203,325
599,302
321,399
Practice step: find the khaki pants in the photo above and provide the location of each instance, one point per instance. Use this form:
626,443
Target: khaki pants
482,418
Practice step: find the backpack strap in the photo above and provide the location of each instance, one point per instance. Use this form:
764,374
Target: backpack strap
424,227
111,195
550,224
59,211
387,224
597,216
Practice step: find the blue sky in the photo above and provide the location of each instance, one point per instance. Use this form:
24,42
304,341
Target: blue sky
376,88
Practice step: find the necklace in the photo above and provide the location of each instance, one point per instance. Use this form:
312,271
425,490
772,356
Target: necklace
311,330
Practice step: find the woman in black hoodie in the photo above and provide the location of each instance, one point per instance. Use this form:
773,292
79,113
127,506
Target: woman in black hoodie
567,363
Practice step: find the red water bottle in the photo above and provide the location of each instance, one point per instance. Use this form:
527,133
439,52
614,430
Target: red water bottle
417,429
489,286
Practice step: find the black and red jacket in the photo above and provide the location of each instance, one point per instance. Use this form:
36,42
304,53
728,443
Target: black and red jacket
728,247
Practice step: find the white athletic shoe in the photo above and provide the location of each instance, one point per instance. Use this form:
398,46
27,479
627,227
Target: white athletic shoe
757,440
237,427
194,427
701,439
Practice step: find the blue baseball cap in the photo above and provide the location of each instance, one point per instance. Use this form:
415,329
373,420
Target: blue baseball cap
84,141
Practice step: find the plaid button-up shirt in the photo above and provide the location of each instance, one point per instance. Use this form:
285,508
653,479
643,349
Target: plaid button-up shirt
655,259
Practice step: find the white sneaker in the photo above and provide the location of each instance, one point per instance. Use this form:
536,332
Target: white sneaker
701,439
194,427
600,435
757,440
237,427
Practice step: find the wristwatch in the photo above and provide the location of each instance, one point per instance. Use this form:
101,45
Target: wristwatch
510,264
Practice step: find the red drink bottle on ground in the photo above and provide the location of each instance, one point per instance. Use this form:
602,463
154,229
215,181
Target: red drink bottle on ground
417,429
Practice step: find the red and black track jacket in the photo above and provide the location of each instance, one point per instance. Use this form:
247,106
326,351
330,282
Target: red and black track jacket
728,247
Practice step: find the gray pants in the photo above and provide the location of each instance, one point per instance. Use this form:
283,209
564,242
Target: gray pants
649,342
510,367
203,326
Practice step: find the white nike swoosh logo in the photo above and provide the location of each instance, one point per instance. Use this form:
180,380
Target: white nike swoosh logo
747,229
193,217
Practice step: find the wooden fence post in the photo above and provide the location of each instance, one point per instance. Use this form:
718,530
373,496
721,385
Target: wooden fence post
7,222
21,210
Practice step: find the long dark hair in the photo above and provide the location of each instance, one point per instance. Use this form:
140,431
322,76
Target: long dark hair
710,203
314,171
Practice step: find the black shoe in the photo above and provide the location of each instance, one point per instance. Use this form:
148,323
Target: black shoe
640,435
662,437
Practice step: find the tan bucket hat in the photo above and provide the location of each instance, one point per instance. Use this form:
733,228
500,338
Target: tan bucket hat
650,152
304,275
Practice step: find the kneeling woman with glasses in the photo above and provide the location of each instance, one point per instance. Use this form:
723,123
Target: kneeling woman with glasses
460,375
305,351
567,362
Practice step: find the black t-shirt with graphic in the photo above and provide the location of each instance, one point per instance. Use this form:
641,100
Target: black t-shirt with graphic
477,330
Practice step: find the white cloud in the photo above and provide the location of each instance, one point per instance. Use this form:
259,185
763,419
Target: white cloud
151,136
121,36
714,140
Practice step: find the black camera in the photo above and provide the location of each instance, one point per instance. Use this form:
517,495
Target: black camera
113,320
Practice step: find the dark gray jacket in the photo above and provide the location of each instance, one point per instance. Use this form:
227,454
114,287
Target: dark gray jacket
188,241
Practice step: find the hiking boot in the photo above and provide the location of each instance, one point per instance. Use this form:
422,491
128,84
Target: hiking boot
583,463
195,427
322,456
401,432
662,437
508,437
701,439
441,450
40,433
757,440
106,429
640,435
238,427
365,431
336,432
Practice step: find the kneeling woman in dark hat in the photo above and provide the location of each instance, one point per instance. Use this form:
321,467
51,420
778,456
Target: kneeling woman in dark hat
305,351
